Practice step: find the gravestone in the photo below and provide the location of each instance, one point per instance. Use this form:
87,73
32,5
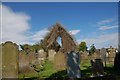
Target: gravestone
23,62
83,57
31,57
97,67
103,53
60,61
9,60
111,55
26,61
42,55
73,67
97,54
51,54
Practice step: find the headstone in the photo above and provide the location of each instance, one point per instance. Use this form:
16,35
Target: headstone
9,60
103,53
97,67
51,54
73,67
97,54
31,57
60,61
83,57
42,55
111,55
25,62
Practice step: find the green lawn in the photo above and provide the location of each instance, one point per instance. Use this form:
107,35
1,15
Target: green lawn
50,72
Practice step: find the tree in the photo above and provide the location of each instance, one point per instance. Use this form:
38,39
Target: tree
82,46
92,49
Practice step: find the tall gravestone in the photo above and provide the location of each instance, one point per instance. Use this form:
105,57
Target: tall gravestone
73,65
60,61
9,60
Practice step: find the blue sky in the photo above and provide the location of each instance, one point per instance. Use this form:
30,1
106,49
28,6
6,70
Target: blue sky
92,22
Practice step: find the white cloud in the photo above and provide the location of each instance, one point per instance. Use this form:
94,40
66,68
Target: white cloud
39,35
105,21
103,40
108,27
74,32
14,25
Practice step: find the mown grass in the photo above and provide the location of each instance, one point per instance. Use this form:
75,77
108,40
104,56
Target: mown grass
46,72
50,72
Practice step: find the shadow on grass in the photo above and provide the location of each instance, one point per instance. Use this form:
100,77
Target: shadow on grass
60,74
86,72
109,70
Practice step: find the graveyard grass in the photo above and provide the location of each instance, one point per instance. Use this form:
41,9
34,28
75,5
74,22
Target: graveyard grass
50,72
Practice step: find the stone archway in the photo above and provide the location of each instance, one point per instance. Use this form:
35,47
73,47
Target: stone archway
68,48
68,43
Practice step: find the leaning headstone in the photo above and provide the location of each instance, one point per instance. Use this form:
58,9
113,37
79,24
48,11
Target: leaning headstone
60,61
9,60
97,67
73,67
51,54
